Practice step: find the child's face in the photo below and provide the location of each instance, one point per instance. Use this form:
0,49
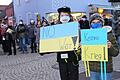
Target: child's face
64,17
63,14
95,21
96,24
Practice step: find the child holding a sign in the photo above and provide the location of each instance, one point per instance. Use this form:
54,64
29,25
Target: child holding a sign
96,21
68,63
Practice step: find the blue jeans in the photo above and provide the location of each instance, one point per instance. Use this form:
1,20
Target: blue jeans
23,45
97,76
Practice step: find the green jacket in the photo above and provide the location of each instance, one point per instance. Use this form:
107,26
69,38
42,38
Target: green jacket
112,52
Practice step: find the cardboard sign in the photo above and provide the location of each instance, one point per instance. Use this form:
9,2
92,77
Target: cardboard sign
94,45
57,38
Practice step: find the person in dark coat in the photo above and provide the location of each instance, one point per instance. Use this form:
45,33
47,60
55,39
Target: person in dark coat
22,31
107,22
32,31
68,66
11,39
44,22
85,23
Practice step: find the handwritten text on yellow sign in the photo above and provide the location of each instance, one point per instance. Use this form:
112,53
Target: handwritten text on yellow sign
94,53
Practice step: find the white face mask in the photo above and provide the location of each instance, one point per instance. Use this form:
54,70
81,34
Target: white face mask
32,21
65,19
83,19
3,26
20,22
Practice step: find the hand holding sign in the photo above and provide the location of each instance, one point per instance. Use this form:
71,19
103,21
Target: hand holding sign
79,45
109,28
109,44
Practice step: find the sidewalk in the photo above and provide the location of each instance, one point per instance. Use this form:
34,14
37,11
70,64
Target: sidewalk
35,67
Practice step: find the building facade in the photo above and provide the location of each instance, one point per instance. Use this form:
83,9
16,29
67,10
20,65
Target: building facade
6,11
27,9
9,10
2,11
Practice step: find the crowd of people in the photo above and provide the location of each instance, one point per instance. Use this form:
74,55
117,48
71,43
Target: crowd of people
18,37
22,35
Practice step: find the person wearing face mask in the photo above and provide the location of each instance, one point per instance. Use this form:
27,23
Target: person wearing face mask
32,31
21,31
64,15
68,65
96,21
85,23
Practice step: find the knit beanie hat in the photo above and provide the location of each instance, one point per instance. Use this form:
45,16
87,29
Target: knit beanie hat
96,16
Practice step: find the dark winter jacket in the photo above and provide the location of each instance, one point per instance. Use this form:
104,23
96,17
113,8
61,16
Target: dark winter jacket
32,31
21,30
117,30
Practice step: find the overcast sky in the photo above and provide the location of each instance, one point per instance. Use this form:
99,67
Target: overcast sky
5,2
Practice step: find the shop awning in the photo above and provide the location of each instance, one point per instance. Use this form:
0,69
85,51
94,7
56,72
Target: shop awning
107,7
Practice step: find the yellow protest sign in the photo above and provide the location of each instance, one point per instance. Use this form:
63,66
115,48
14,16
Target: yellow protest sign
57,45
94,53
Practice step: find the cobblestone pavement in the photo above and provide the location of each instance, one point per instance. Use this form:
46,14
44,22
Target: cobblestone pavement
28,67
35,67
